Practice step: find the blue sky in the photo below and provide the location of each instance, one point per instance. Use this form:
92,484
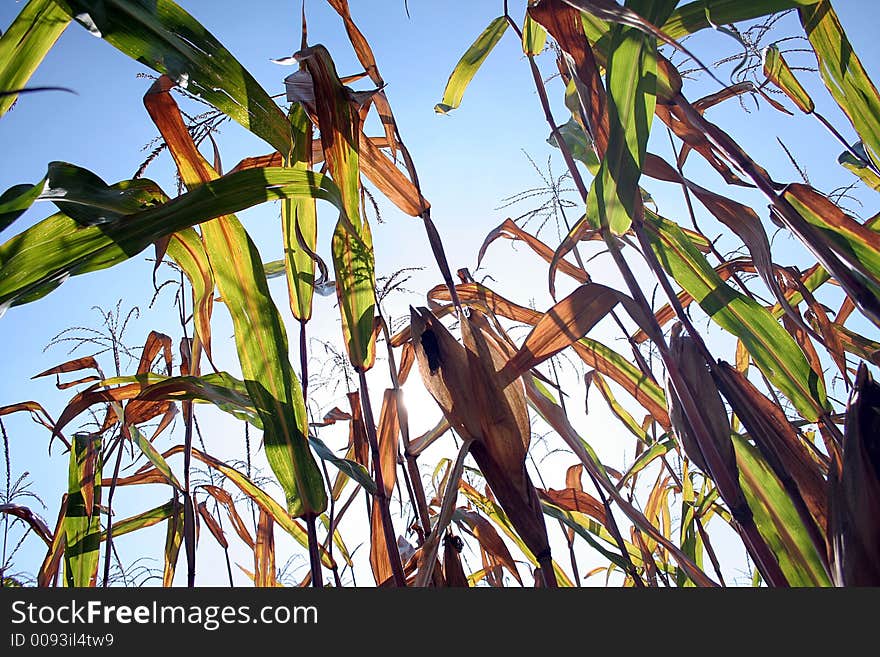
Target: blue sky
468,163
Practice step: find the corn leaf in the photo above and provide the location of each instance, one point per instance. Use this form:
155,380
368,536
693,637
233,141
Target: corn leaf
700,14
774,351
350,468
843,73
855,243
299,220
534,36
260,336
777,519
566,322
352,243
264,552
185,247
37,260
24,45
258,495
496,514
173,541
161,35
15,200
82,520
859,167
469,64
142,520
617,368
631,71
153,456
780,73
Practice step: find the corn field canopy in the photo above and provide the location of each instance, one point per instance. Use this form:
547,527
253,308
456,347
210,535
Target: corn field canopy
558,293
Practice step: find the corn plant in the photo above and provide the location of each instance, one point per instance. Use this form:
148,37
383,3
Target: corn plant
753,440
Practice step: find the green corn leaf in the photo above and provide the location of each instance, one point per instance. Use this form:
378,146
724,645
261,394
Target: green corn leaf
779,72
843,73
777,519
588,528
142,520
153,456
261,341
24,45
646,458
859,166
630,75
300,215
185,247
352,243
274,268
218,388
260,335
15,200
469,64
337,540
163,36
82,520
691,541
853,242
59,246
614,191
700,14
578,144
774,351
352,469
622,414
619,369
173,541
534,36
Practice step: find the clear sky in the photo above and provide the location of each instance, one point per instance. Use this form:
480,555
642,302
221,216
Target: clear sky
468,163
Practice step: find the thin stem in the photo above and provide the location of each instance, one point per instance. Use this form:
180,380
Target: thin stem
846,145
314,552
709,549
303,360
6,499
189,527
109,541
611,524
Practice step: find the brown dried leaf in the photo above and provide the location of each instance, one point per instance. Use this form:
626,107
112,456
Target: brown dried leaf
510,230
490,540
388,433
380,563
572,499
357,432
565,323
213,525
32,519
49,569
75,365
224,498
264,552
